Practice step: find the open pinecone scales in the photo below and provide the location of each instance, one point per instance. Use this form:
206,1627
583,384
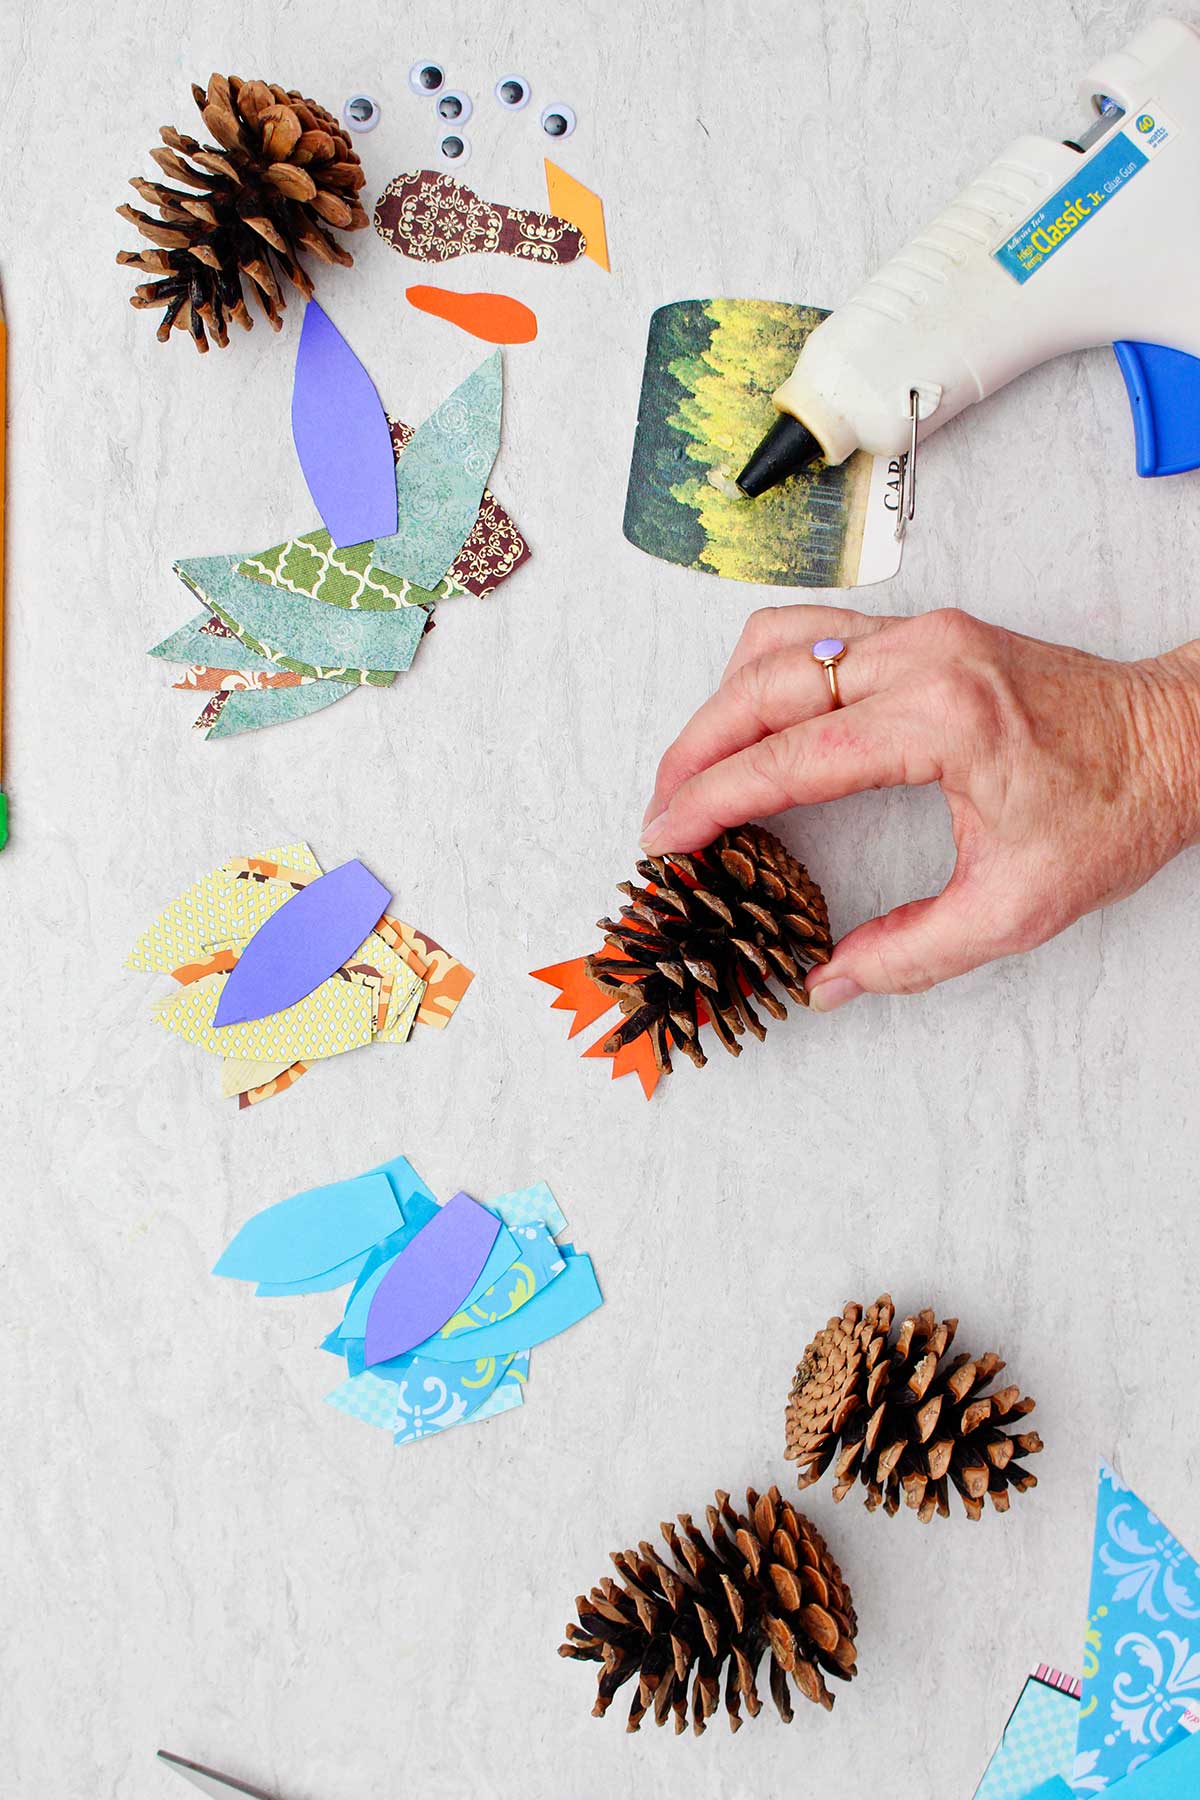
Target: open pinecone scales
706,938
898,1416
282,170
759,1582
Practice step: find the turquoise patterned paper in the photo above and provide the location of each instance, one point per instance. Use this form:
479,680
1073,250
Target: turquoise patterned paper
250,709
511,1391
431,1398
1038,1743
462,1373
1172,1775
1142,1647
573,1293
301,633
440,478
530,1206
191,645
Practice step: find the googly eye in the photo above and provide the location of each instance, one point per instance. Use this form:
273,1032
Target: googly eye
454,148
512,92
426,77
558,121
361,113
454,107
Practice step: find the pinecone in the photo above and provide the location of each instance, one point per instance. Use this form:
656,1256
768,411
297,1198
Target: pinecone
706,938
765,1582
896,1416
285,170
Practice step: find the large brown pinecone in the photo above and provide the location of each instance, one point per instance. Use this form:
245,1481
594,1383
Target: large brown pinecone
760,1582
285,170
712,931
890,1412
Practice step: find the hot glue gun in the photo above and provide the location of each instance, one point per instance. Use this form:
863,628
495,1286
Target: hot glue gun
1054,247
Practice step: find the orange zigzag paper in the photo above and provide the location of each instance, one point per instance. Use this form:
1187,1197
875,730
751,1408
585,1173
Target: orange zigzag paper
578,994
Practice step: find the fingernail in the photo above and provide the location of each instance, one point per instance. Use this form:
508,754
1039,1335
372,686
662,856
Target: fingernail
649,810
651,834
827,996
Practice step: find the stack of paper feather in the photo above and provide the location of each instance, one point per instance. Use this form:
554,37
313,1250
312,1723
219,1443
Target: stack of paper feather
1132,1726
445,1301
408,521
279,965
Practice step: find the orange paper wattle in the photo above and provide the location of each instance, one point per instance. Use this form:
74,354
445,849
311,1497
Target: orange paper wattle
496,318
578,994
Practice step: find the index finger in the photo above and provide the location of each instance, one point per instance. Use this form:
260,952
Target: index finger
763,696
878,743
774,628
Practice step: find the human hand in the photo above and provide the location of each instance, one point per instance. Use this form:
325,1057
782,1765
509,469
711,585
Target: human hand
1070,779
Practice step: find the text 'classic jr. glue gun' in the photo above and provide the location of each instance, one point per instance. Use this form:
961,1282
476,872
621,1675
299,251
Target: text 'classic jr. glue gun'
1054,247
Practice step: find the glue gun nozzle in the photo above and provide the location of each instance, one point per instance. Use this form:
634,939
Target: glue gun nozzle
788,447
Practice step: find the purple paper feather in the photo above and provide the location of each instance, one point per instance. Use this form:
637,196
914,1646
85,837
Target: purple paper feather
429,1280
342,436
303,944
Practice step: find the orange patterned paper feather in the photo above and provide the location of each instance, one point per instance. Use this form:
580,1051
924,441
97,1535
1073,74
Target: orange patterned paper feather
202,678
280,1085
219,963
447,979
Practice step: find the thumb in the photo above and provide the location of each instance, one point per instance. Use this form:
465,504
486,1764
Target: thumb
906,951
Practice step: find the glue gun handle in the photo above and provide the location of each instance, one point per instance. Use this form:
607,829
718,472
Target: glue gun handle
1164,394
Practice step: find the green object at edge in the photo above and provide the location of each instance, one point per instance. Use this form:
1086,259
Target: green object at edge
3,818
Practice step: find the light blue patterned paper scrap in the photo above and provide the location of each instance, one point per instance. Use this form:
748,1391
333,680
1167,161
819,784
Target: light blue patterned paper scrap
1038,1743
432,1398
366,1398
531,1206
510,1393
1142,1647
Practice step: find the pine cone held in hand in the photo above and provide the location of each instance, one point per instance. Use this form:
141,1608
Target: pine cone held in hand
707,939
893,1414
760,1581
284,171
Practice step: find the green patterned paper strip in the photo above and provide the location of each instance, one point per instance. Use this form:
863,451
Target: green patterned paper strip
312,565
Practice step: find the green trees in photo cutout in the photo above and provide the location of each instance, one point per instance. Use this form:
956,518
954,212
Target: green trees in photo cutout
654,521
712,367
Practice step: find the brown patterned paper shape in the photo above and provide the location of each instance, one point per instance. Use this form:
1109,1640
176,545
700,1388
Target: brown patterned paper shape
434,218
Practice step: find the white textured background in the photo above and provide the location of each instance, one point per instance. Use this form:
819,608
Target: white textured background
195,1551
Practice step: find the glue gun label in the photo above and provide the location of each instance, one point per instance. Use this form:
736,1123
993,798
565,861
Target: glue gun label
1102,176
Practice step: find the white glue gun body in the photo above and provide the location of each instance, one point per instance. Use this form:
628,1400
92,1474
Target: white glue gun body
1054,247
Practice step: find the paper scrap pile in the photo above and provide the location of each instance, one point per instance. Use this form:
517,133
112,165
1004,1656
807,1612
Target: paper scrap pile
407,521
445,1301
1132,1726
279,965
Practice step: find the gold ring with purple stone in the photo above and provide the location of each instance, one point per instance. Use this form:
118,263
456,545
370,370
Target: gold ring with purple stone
829,653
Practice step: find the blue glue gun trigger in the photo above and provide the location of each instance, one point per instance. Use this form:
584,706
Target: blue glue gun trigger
1164,392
